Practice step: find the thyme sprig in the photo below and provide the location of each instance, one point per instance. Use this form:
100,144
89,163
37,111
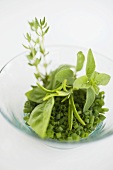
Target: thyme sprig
36,47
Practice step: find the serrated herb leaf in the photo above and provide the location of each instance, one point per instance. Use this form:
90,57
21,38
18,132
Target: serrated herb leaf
40,116
80,61
90,97
90,66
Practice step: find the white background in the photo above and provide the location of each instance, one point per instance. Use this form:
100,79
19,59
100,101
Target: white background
85,23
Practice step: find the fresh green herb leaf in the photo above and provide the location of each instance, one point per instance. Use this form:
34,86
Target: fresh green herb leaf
102,117
53,82
37,75
29,106
90,97
81,82
42,21
94,75
65,74
36,62
96,89
25,46
36,95
28,37
80,61
40,116
26,117
90,66
30,57
102,79
45,32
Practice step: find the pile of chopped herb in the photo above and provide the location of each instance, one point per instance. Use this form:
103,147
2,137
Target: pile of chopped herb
62,105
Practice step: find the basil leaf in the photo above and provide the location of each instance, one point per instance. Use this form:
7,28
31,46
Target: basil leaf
81,82
65,74
90,66
90,97
36,94
40,116
80,61
102,79
52,80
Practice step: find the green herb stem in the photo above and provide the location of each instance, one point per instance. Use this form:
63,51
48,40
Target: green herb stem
49,91
75,111
70,116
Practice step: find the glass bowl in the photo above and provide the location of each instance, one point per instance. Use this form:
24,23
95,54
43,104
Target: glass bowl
17,76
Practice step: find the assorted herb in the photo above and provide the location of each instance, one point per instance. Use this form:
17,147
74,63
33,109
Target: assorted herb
61,105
